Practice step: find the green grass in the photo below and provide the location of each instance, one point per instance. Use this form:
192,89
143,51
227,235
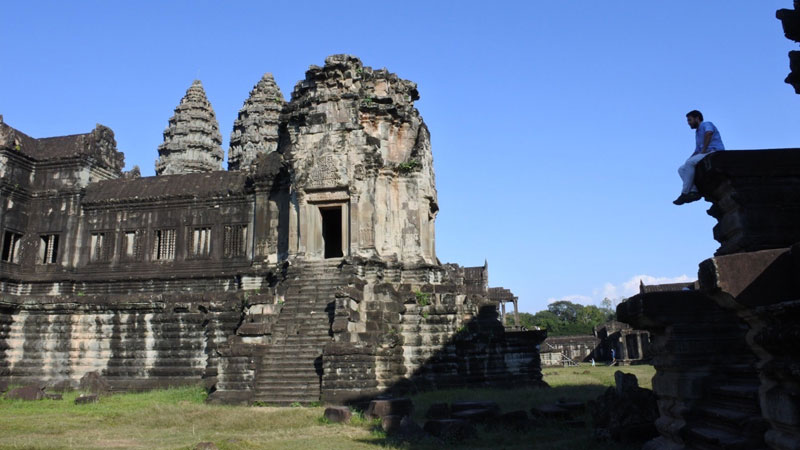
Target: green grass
178,418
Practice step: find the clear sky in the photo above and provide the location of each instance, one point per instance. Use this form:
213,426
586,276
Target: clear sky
557,127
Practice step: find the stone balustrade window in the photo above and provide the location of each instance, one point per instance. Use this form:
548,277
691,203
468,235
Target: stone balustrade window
11,246
48,249
131,245
100,247
234,241
164,245
200,242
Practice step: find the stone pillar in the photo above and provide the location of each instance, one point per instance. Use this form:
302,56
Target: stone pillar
516,313
790,19
623,347
502,313
261,225
639,345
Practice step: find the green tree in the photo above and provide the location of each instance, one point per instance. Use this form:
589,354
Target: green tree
565,310
563,318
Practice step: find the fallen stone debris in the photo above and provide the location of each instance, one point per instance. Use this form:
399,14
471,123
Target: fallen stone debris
625,412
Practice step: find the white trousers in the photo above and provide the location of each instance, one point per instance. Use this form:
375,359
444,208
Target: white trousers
686,171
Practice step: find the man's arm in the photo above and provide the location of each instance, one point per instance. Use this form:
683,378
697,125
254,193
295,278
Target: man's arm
706,141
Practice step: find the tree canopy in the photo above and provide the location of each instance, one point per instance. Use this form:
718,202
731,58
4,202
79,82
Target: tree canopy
564,318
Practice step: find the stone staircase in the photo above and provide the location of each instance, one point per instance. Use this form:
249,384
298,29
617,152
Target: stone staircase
290,369
729,418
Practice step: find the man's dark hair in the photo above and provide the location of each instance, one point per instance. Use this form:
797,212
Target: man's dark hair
695,113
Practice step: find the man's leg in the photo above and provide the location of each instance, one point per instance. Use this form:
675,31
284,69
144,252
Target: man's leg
686,172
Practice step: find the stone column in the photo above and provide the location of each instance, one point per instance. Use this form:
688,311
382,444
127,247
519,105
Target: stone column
639,345
516,313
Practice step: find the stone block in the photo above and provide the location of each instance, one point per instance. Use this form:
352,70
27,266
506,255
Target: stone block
206,446
465,406
95,383
551,412
571,405
405,430
516,420
453,430
339,325
85,399
480,416
438,411
52,396
338,414
254,329
390,407
62,386
28,393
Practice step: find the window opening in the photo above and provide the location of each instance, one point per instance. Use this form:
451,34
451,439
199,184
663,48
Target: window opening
234,240
11,244
48,248
131,248
200,242
100,247
164,245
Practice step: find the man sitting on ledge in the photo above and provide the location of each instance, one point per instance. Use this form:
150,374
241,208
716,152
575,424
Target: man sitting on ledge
707,140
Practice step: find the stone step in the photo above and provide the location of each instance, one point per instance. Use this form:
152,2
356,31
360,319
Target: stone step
268,372
714,438
281,380
743,391
287,377
286,400
297,353
735,418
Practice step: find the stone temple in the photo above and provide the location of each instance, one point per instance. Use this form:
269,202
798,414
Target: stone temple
305,272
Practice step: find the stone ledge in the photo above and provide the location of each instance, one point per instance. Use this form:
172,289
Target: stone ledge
755,196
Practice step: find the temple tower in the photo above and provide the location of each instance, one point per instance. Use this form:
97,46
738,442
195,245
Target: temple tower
361,166
192,142
255,131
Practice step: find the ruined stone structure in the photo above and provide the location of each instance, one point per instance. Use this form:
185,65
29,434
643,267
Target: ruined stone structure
568,350
631,346
790,19
503,296
309,274
726,354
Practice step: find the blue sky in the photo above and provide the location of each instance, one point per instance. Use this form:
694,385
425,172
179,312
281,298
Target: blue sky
557,127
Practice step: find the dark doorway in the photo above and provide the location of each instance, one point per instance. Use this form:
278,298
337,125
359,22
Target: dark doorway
332,231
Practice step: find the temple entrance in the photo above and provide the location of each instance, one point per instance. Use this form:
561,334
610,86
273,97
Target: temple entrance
332,231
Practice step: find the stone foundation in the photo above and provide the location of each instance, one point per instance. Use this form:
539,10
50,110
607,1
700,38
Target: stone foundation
135,342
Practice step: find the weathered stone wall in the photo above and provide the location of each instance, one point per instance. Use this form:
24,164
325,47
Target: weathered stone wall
400,336
135,342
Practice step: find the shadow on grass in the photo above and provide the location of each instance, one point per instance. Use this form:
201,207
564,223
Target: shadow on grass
538,434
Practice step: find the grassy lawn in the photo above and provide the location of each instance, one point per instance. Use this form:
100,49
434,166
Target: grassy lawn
178,418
